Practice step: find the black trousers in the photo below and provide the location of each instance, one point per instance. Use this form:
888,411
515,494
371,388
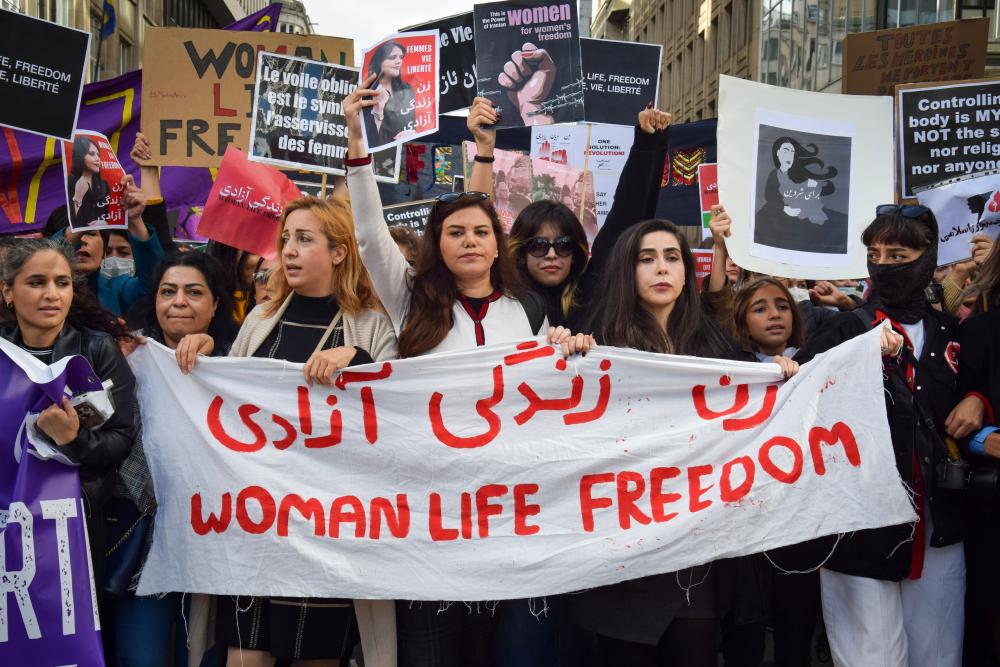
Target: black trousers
688,642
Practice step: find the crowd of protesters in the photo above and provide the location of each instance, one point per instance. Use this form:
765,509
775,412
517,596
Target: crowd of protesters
345,290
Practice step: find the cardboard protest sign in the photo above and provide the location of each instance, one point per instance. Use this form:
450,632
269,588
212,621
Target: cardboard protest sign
50,610
298,118
963,209
601,150
457,56
42,68
407,69
528,61
619,79
198,87
412,215
721,459
805,173
946,130
708,193
95,183
245,205
519,180
876,61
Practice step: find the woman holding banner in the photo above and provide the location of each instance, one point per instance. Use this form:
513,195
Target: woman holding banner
464,292
650,301
895,596
322,313
55,319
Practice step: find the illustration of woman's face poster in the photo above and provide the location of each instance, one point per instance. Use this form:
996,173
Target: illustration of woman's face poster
406,78
800,175
801,187
94,183
528,61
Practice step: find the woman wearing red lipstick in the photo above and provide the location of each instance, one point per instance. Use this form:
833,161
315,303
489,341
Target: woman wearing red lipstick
650,301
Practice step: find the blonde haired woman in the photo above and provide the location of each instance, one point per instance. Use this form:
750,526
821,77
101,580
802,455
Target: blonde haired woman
321,314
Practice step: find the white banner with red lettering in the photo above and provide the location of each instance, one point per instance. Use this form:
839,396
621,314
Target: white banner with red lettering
504,471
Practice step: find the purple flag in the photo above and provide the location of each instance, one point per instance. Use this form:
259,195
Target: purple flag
48,614
31,181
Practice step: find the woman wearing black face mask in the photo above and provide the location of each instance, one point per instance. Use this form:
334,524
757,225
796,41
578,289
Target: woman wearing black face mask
895,595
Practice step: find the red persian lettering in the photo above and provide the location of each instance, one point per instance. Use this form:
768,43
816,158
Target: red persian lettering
219,433
741,400
484,408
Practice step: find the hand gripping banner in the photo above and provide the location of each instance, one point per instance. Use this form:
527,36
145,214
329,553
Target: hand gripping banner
503,472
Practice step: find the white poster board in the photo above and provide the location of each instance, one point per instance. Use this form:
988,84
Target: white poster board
963,209
801,174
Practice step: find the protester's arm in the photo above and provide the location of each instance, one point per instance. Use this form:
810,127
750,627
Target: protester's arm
155,214
636,195
386,265
481,116
720,225
975,376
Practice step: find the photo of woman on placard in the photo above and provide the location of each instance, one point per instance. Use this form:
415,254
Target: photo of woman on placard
801,202
89,193
394,115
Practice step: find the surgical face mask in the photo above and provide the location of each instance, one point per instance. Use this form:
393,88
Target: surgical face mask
799,294
117,266
850,291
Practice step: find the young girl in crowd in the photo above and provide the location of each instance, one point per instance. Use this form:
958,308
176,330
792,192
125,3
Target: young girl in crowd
767,320
464,292
322,313
54,319
650,301
895,595
190,313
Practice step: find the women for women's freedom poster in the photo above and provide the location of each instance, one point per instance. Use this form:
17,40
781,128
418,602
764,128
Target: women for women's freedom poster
801,175
528,61
406,69
94,183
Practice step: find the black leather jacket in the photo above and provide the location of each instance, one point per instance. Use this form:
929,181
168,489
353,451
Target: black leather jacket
97,451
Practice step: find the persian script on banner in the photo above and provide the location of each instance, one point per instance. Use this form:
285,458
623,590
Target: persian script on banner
503,472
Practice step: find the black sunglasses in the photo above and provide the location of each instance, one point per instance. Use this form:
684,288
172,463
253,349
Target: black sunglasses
450,197
539,247
906,211
260,277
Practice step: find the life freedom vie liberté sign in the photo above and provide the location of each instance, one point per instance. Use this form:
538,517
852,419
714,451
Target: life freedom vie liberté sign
512,470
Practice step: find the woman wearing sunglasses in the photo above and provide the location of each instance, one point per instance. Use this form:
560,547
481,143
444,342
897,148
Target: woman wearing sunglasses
547,240
464,292
895,596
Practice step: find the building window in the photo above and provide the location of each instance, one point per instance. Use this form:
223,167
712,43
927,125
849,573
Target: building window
124,57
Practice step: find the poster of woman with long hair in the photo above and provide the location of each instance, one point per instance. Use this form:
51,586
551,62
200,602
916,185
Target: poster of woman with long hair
94,183
403,70
802,190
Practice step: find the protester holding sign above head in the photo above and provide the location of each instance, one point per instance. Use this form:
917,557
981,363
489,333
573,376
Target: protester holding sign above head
464,292
563,275
55,319
895,596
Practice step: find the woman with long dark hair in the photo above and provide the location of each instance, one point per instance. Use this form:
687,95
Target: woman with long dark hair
650,301
85,182
55,317
393,116
563,274
464,292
